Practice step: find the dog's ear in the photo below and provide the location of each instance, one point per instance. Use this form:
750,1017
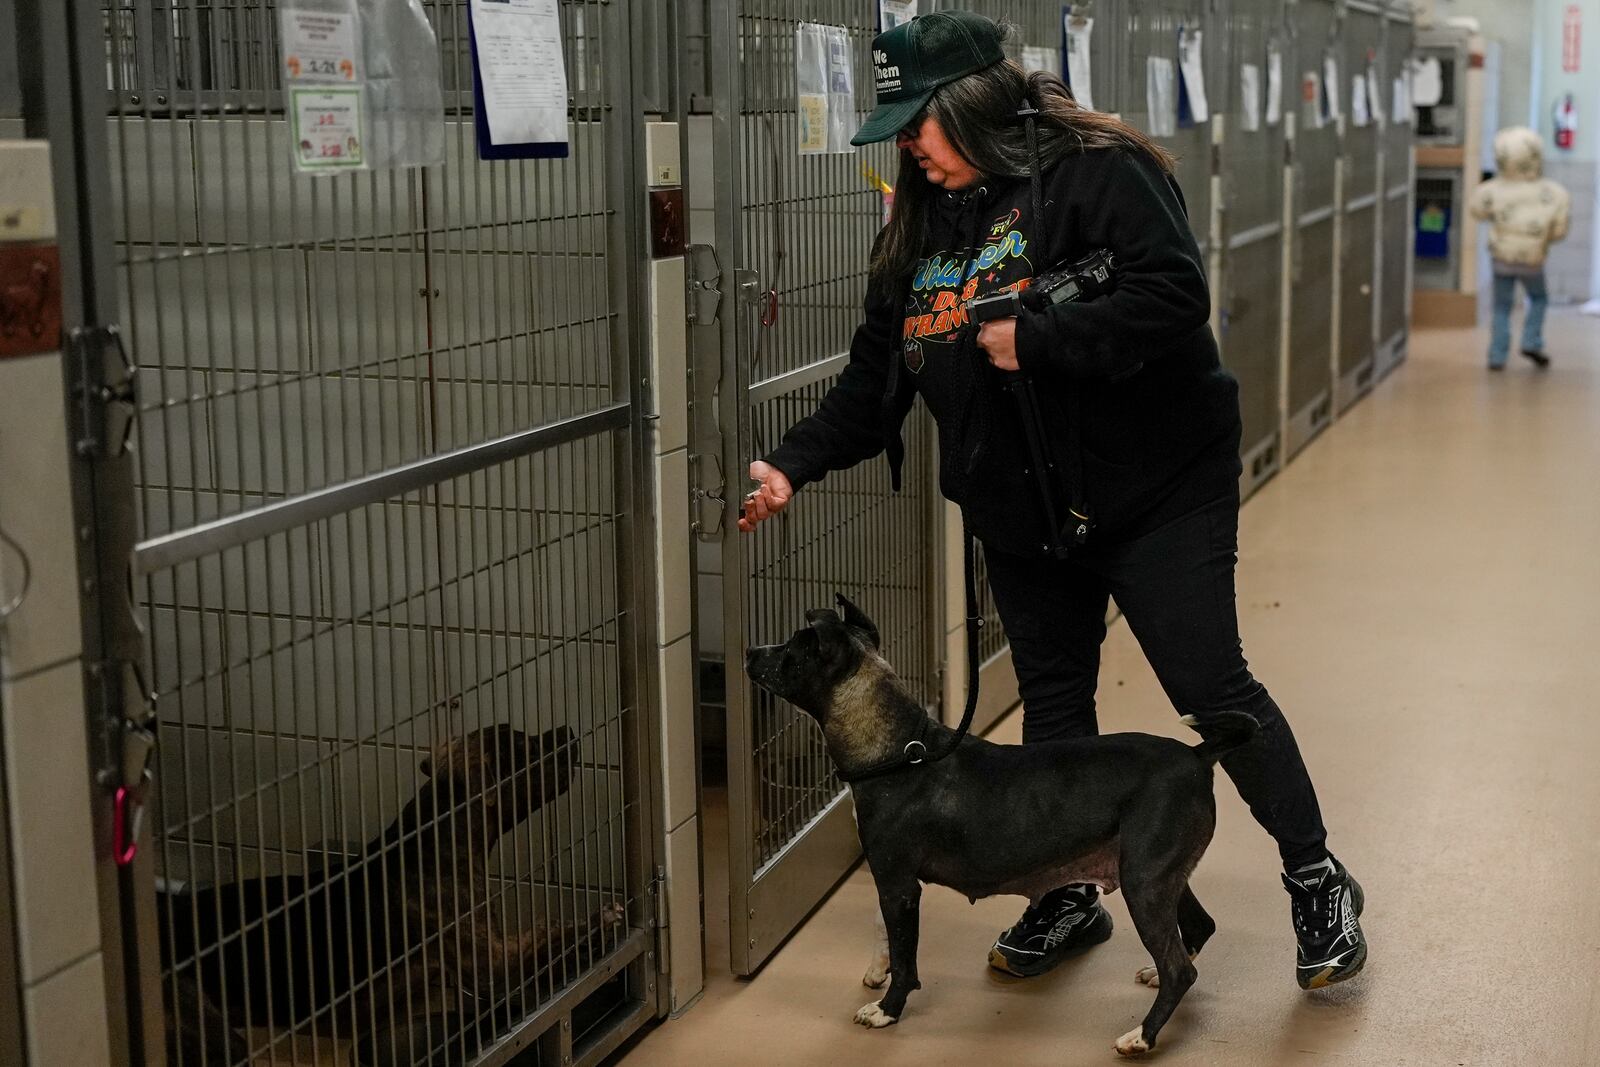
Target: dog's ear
817,616
857,620
426,767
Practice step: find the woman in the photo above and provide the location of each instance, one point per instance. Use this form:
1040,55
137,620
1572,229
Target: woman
1157,438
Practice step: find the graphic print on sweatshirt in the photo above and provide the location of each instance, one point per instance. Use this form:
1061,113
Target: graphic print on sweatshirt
936,311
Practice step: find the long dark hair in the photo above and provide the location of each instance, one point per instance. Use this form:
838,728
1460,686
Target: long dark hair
979,116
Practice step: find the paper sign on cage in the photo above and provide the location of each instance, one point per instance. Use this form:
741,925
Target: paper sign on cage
1079,32
519,82
824,89
892,13
1249,97
1359,113
1158,92
1193,108
326,94
1274,84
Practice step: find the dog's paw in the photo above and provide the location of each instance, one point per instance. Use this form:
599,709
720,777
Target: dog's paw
877,974
873,1017
1132,1043
1148,976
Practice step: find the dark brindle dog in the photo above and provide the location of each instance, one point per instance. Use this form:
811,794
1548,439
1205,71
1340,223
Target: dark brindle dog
384,943
1128,809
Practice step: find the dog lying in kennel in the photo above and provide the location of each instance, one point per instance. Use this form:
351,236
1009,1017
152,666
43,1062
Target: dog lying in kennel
289,949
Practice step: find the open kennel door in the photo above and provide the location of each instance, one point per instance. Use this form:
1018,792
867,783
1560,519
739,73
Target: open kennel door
798,229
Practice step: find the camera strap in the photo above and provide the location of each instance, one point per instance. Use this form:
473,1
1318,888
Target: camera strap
1076,529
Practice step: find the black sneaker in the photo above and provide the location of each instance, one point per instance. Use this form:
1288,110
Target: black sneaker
1539,358
1326,903
1064,923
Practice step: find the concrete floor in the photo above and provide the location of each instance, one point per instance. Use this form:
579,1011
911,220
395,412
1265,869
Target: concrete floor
1420,591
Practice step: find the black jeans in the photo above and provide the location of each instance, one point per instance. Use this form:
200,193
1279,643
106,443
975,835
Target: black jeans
1173,580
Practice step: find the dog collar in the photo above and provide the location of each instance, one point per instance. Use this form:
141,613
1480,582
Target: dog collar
915,752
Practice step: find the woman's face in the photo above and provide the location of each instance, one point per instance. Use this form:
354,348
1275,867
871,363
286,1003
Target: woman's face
938,158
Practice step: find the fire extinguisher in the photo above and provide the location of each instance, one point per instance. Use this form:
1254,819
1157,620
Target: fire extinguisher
1566,122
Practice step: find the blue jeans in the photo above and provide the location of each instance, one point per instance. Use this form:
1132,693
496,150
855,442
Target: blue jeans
1505,295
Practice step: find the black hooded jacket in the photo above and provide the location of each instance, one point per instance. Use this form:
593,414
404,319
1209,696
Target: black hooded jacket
1140,363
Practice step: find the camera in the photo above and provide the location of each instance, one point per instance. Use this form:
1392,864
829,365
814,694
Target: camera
1085,279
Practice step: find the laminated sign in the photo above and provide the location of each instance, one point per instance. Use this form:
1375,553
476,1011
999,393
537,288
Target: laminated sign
1249,97
892,13
825,88
1159,95
362,84
1274,84
326,93
1193,109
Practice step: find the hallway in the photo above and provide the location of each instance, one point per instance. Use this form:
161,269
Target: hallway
1419,591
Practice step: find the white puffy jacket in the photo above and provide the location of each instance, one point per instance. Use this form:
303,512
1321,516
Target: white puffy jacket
1526,211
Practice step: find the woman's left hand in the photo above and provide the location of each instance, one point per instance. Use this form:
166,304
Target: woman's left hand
998,337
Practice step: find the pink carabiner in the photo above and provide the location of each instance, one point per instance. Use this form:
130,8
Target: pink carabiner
122,850
769,314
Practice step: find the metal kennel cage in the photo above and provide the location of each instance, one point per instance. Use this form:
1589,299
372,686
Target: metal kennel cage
382,438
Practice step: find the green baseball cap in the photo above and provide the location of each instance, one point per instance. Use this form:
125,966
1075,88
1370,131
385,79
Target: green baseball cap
912,60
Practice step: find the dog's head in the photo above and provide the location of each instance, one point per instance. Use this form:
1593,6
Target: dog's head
827,655
497,776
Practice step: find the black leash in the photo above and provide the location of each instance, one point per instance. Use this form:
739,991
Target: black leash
918,750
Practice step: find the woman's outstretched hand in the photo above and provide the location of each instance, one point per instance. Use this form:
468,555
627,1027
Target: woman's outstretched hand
998,337
769,498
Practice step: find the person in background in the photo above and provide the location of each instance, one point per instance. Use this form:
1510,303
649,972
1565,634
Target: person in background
1526,212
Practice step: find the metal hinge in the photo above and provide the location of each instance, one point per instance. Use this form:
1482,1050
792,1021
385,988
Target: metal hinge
660,919
707,498
703,272
107,392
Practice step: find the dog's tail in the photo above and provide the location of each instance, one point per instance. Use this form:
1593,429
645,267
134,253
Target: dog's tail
1222,732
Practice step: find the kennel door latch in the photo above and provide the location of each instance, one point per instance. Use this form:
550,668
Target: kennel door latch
703,274
108,391
128,802
707,495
